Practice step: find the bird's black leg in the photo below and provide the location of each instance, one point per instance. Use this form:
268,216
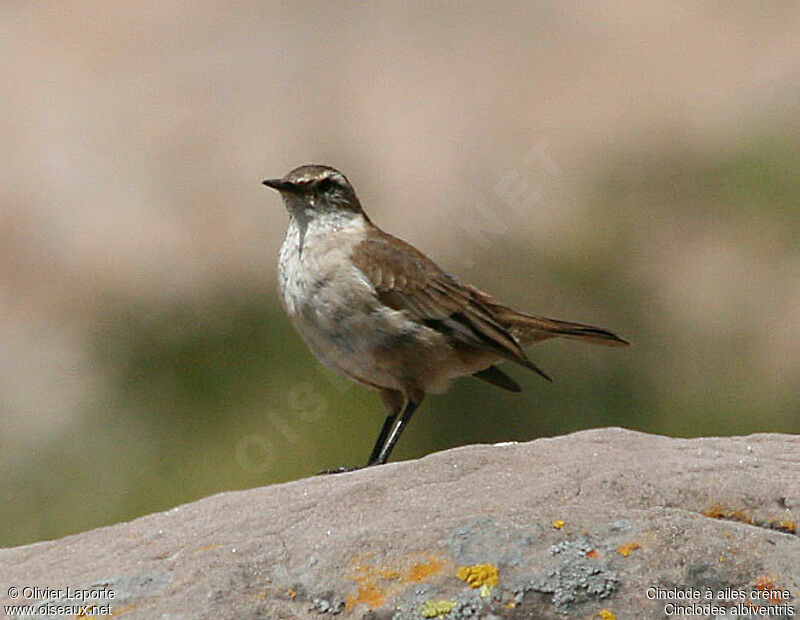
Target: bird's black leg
383,455
391,418
393,400
383,446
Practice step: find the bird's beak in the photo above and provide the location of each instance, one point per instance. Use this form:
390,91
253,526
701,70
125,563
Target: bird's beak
279,184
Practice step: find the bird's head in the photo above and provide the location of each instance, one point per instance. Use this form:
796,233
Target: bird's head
311,191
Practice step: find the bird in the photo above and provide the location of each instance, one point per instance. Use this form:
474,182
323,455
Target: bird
375,309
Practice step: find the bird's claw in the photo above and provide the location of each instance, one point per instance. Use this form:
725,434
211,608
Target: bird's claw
337,470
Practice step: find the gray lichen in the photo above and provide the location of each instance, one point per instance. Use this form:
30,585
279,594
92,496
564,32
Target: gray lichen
576,577
328,603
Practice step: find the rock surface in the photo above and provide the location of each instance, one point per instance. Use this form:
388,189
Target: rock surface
597,524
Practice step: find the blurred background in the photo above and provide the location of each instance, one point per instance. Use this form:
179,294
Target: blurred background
630,165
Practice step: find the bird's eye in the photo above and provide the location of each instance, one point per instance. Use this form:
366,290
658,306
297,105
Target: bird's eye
325,184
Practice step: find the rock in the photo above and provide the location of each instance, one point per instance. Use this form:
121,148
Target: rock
605,523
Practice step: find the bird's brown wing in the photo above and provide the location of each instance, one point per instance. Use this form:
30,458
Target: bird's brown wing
405,279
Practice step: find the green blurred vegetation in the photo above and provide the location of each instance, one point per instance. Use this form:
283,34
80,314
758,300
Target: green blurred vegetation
219,393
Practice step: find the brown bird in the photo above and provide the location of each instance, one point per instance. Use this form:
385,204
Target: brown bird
377,310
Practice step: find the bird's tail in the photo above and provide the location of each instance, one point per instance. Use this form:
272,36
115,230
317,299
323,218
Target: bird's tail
528,329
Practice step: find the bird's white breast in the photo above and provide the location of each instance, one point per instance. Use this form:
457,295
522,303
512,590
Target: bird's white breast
330,301
314,266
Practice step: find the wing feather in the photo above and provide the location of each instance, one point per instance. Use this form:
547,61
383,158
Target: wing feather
407,280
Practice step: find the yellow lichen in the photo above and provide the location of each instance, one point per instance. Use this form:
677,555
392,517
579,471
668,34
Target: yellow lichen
558,524
435,609
486,590
479,575
605,614
625,550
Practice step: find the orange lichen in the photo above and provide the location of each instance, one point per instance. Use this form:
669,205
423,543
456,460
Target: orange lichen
369,594
291,593
375,585
479,575
786,526
764,584
421,571
625,550
389,574
558,524
719,512
767,586
593,554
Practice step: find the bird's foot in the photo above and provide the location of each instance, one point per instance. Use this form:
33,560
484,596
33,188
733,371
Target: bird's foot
338,470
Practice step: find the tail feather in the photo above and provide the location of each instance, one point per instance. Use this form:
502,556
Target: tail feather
528,329
497,377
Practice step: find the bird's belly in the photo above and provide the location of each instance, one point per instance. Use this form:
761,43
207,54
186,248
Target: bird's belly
383,349
354,334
